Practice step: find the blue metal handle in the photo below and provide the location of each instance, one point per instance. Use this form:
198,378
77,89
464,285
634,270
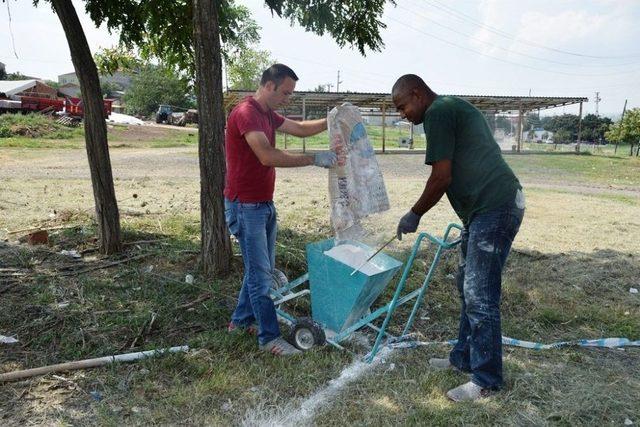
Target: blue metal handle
442,244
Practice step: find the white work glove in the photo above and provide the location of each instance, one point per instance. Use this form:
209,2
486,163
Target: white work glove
408,224
325,159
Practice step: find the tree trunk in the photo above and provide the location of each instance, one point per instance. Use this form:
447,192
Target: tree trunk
95,128
215,244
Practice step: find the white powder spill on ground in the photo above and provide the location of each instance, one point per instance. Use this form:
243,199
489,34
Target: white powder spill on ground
303,414
124,119
354,256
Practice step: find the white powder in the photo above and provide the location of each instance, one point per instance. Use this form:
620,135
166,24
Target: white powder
354,256
302,414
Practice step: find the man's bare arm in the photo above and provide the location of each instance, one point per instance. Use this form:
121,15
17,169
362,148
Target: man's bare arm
271,156
435,188
303,129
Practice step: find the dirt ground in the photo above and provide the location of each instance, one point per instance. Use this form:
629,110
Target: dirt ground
576,256
39,183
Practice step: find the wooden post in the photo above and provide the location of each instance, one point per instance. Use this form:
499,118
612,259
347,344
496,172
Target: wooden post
411,137
304,117
624,109
579,129
384,120
519,137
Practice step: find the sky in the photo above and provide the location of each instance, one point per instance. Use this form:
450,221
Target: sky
483,47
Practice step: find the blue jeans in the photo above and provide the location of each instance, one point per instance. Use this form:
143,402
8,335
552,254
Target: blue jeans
255,227
485,245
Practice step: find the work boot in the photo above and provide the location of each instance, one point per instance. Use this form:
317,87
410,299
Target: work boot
280,347
467,392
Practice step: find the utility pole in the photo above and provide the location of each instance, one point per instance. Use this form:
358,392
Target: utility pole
338,82
624,109
329,86
597,100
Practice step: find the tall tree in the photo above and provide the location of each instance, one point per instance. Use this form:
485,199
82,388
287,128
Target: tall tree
626,130
215,246
154,85
244,68
95,128
168,30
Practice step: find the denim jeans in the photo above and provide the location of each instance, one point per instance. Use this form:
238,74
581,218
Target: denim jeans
485,245
255,227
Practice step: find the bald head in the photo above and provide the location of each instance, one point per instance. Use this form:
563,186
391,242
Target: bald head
412,97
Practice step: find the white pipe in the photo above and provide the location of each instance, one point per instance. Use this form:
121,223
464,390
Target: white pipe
89,363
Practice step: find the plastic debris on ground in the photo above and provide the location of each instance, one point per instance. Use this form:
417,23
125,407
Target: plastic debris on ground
71,253
124,119
633,291
354,256
7,340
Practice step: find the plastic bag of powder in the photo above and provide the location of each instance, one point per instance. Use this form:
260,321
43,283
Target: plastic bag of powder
356,185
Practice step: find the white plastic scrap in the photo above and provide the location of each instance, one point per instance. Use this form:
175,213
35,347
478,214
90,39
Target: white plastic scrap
188,279
633,291
7,340
354,256
71,253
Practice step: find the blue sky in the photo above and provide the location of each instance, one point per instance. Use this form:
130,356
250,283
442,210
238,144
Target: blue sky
497,47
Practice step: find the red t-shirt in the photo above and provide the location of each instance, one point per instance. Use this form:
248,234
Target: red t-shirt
247,179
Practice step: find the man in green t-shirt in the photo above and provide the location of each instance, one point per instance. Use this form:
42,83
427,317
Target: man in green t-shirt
467,165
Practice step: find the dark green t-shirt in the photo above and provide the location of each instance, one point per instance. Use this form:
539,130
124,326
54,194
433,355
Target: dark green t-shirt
481,179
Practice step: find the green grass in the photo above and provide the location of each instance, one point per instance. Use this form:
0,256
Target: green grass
321,141
35,126
547,296
603,170
226,377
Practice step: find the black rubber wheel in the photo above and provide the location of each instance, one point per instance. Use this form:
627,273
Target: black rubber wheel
306,333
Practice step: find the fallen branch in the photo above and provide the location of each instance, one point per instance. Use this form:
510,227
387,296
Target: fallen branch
105,265
144,331
43,227
195,302
88,363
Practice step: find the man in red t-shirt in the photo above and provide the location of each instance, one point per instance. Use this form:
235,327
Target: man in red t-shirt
251,158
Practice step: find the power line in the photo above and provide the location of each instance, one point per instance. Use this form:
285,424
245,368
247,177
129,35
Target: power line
505,60
463,16
510,50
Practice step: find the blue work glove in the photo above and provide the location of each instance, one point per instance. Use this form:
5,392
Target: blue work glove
408,224
325,159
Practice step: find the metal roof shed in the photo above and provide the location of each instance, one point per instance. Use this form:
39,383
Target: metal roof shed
299,102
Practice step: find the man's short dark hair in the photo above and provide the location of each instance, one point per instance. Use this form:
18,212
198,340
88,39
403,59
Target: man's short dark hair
276,74
409,82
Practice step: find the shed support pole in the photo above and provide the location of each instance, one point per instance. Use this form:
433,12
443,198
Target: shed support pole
304,117
579,129
519,137
384,124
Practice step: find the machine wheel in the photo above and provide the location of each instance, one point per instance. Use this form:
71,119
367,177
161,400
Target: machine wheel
279,279
306,334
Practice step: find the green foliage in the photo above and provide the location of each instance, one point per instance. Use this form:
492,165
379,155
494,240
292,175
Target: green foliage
165,29
34,126
245,67
503,123
594,127
155,85
566,125
110,60
3,72
627,130
532,121
16,76
353,22
108,89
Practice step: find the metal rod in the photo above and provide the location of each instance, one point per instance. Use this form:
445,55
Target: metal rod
374,254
